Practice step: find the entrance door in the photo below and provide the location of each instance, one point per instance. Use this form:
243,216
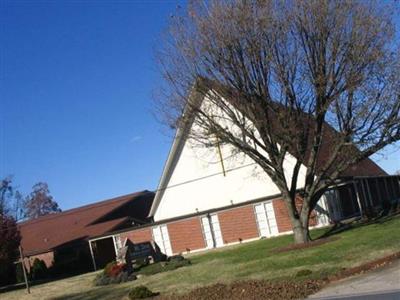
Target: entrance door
212,231
266,221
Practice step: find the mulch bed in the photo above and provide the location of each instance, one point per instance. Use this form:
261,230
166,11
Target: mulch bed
254,289
287,290
307,245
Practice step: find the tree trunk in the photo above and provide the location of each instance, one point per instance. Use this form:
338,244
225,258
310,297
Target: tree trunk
300,232
299,220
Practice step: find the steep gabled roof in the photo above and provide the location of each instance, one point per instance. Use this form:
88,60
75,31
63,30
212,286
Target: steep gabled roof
366,167
53,230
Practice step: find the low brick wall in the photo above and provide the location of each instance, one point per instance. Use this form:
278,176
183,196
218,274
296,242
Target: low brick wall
238,224
186,235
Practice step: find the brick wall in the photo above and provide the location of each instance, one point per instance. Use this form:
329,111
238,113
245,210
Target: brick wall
138,235
47,257
186,235
238,224
282,215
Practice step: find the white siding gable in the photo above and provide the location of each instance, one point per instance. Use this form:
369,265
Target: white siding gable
197,182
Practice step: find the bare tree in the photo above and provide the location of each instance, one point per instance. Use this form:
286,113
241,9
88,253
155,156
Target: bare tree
6,191
40,202
318,80
11,200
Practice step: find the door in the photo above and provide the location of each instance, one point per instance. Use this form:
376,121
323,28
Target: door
212,231
161,237
266,221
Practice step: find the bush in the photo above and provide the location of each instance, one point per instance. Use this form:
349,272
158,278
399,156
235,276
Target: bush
304,272
176,258
114,273
103,279
140,292
107,269
39,269
19,273
116,269
163,266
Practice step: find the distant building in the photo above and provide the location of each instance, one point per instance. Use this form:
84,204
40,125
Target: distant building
60,239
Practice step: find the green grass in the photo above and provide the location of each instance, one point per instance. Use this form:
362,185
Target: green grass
255,260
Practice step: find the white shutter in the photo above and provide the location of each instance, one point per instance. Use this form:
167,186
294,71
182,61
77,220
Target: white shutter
212,229
273,227
262,220
161,237
217,230
266,221
207,232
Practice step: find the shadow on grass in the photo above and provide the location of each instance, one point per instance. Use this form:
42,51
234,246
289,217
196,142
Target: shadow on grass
340,227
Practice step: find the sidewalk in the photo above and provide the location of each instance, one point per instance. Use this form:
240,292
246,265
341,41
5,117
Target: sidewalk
379,284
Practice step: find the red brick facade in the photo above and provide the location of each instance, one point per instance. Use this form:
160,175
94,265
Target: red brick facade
238,224
138,236
186,235
47,257
282,215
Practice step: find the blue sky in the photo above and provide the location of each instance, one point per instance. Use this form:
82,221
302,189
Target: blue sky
76,110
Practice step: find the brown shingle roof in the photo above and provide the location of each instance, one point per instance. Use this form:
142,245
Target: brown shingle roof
47,232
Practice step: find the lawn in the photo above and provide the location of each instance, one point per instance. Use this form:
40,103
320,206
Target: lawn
255,260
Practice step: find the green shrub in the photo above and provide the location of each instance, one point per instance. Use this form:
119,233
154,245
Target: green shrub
140,292
39,269
176,258
19,273
304,272
103,279
163,266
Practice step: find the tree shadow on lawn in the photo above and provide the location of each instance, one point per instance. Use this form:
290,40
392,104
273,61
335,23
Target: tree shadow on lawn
358,223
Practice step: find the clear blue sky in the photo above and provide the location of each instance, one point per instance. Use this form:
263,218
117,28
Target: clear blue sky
77,83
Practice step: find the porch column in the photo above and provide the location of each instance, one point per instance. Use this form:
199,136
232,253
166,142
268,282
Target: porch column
358,198
92,255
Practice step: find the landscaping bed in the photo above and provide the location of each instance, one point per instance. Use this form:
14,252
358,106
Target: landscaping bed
254,289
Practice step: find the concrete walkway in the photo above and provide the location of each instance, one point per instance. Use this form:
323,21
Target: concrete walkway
383,283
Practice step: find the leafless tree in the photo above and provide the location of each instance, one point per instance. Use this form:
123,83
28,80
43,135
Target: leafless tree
318,80
11,200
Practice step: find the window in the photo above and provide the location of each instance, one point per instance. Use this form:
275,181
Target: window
161,237
212,231
266,221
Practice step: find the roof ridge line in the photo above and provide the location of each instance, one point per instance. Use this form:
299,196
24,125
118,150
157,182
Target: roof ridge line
83,208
